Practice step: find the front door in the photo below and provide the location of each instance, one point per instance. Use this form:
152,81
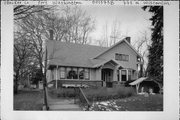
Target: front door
107,77
123,75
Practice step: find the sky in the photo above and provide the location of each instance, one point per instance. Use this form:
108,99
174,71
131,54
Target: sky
133,20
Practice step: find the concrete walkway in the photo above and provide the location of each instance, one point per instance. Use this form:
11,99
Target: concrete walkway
62,104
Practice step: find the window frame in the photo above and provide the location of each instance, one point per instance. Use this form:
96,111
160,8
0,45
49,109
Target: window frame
122,57
62,69
86,72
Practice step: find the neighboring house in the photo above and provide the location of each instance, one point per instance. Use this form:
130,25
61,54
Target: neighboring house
70,63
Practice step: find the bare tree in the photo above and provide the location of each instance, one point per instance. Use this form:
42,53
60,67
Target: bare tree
78,25
36,25
107,39
142,47
104,41
69,24
22,11
23,57
115,32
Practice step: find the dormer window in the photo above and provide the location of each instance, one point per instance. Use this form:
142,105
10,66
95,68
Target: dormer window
121,57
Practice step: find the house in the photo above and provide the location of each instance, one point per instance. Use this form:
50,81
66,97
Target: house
76,64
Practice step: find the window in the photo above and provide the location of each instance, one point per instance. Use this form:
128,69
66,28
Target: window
121,57
129,74
72,73
86,73
62,72
52,75
123,75
81,73
123,72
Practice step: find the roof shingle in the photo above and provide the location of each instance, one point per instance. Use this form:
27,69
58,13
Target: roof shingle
70,54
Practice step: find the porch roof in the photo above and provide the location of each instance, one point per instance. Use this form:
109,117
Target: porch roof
104,62
90,63
138,81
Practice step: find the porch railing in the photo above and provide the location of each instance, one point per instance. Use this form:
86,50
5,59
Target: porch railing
82,97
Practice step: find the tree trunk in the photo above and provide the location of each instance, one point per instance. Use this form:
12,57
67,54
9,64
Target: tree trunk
141,70
16,84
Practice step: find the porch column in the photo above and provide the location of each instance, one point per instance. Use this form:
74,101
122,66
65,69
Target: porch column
100,76
119,75
127,75
115,74
100,73
50,78
78,73
56,76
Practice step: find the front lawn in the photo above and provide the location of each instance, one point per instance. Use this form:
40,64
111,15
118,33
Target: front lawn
134,103
142,103
94,94
28,100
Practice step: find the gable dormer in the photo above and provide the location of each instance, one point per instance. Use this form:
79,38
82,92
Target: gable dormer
123,52
126,41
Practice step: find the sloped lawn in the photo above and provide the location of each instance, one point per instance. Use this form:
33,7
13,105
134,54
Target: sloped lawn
28,100
134,103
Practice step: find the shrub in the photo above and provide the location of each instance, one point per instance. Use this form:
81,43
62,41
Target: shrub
103,93
62,92
95,94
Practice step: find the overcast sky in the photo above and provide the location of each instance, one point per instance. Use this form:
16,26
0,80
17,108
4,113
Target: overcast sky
133,20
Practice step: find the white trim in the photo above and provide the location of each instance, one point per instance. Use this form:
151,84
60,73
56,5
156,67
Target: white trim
127,75
119,75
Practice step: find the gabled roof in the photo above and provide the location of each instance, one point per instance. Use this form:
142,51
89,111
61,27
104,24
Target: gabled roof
138,81
120,42
78,55
70,54
104,62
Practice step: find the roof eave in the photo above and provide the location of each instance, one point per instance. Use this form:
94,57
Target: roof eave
118,44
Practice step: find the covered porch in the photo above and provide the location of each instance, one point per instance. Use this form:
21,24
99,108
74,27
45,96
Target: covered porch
108,71
104,73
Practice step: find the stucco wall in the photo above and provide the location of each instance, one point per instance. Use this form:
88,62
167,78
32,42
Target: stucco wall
122,48
98,74
92,74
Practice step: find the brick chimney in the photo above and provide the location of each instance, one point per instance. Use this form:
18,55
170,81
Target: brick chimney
51,34
128,39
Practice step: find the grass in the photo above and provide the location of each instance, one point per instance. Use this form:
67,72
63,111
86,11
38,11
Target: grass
28,100
133,103
142,103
